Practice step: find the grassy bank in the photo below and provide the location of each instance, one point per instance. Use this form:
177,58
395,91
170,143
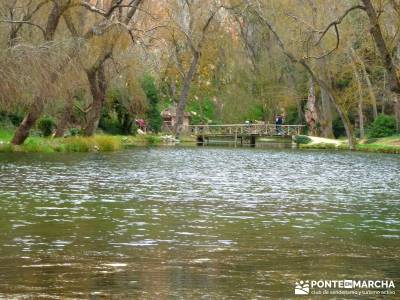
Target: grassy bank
389,144
75,143
383,145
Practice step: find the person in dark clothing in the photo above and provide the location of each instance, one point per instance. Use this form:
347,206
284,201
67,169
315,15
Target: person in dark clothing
278,124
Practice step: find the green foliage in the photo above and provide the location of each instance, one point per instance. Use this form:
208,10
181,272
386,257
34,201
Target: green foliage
6,147
10,119
383,126
378,148
292,116
302,139
204,111
255,113
338,128
323,146
152,140
95,143
6,135
46,125
36,145
76,144
344,81
15,118
109,125
74,131
107,143
116,114
153,114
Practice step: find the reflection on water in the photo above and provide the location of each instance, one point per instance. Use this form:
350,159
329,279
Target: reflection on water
195,223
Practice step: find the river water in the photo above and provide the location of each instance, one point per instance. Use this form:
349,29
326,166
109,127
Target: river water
195,223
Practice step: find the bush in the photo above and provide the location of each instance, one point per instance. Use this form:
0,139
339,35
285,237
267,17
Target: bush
74,131
383,126
152,140
16,118
338,128
302,139
46,125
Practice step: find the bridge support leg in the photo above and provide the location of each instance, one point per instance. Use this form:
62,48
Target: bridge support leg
252,141
200,140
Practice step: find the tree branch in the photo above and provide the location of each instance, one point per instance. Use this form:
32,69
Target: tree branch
338,21
25,22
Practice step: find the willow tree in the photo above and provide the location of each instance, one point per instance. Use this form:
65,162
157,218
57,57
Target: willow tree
48,31
304,54
190,22
101,32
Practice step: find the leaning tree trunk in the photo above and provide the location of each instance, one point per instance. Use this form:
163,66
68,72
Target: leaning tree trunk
29,121
185,93
97,83
36,109
343,116
65,117
385,54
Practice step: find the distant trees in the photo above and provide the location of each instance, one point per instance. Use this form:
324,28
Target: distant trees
239,59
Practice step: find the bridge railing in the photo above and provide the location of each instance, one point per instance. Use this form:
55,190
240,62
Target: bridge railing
246,129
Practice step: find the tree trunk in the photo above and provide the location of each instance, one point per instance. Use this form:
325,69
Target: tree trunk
36,109
343,116
311,113
326,118
369,84
185,93
377,35
22,132
97,83
360,100
346,122
397,111
65,117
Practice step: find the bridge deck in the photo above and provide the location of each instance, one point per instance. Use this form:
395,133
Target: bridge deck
238,130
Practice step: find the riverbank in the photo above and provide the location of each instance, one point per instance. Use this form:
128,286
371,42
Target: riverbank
106,143
382,145
96,143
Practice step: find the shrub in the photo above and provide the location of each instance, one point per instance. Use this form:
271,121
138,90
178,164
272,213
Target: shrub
383,126
338,128
46,125
15,118
152,140
302,139
74,131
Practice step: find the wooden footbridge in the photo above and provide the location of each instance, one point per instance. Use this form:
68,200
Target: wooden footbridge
242,134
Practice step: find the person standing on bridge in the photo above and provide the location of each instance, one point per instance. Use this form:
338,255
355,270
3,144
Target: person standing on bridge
278,124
